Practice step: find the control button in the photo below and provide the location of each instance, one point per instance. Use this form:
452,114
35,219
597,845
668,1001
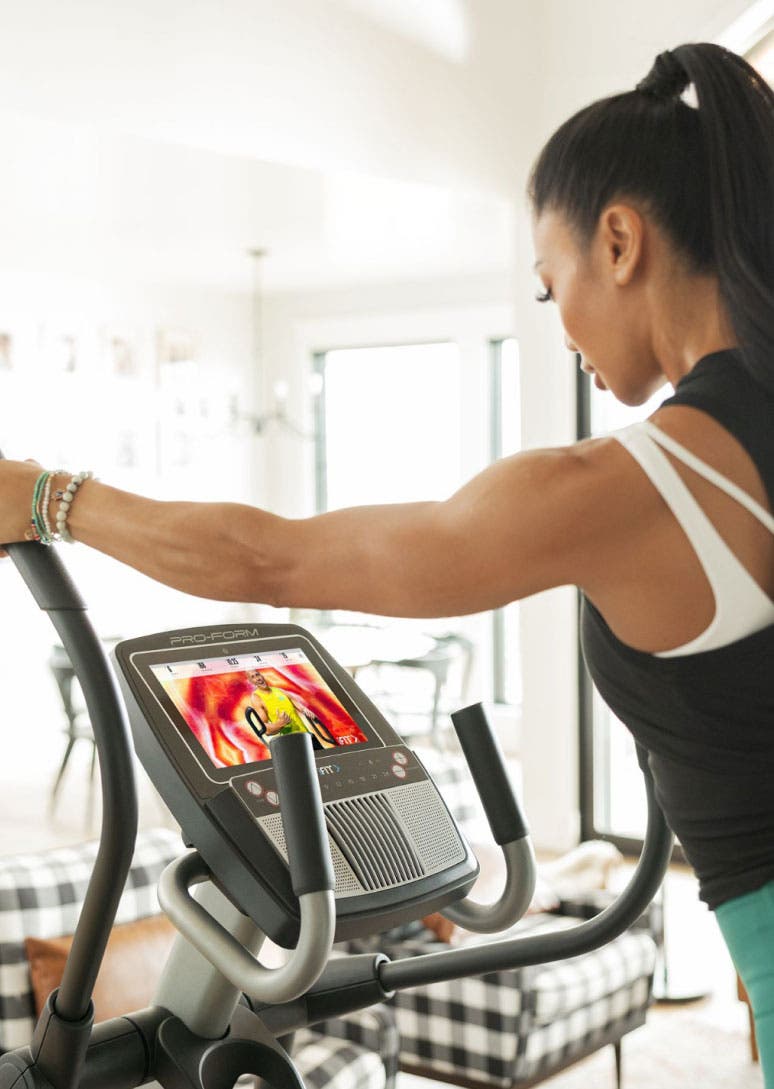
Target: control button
398,771
400,758
254,788
272,797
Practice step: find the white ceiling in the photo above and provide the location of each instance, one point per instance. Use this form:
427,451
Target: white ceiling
355,140
350,139
76,201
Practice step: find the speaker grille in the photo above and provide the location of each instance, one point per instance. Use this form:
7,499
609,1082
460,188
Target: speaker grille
378,840
369,835
427,823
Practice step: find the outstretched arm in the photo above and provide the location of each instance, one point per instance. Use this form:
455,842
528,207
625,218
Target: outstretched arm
524,524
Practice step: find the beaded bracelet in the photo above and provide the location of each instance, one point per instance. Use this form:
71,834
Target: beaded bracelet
45,504
40,525
40,528
66,498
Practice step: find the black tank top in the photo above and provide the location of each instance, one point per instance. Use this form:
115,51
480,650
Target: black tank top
706,720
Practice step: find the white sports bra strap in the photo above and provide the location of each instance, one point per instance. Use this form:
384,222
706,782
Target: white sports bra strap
710,474
741,605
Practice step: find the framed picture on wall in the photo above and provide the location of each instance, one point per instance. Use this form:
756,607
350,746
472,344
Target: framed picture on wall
177,370
6,351
59,351
120,356
174,347
64,353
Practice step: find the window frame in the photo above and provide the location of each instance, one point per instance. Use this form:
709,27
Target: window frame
587,770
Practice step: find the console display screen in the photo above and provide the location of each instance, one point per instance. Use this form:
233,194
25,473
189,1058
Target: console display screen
236,706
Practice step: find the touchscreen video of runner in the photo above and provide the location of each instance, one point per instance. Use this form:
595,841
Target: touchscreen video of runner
235,707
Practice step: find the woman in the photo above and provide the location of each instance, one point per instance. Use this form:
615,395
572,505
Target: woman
654,236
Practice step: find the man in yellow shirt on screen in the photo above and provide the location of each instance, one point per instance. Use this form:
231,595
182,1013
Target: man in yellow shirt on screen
280,715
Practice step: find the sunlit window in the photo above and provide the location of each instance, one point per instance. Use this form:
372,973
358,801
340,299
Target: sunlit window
391,427
505,430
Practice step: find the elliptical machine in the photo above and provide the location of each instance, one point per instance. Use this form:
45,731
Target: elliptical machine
302,846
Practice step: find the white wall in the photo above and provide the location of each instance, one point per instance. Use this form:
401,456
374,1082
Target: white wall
461,102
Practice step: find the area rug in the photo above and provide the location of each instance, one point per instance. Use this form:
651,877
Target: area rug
670,1052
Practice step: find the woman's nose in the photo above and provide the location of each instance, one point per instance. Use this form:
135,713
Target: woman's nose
570,345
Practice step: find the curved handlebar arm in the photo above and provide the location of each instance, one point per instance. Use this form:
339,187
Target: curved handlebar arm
521,873
544,948
213,941
506,821
312,878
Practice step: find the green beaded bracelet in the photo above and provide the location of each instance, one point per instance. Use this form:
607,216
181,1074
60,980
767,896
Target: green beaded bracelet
37,520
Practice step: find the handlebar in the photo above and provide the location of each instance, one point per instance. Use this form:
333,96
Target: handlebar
487,766
506,821
49,582
309,855
313,882
216,944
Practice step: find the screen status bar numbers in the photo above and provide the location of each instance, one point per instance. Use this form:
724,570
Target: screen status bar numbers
273,659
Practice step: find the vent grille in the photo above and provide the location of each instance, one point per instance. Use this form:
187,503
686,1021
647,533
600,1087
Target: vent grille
378,841
370,836
347,883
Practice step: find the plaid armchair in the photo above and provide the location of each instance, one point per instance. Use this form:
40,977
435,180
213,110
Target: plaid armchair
41,896
515,1028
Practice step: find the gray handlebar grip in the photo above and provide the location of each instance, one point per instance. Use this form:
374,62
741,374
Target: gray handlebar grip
487,767
309,854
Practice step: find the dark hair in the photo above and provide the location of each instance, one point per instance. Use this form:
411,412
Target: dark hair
705,175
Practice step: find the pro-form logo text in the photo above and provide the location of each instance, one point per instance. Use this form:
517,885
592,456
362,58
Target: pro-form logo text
214,637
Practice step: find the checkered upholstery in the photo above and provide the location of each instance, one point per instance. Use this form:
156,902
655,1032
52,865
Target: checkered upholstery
513,1026
326,1063
510,1026
359,1051
374,1029
41,895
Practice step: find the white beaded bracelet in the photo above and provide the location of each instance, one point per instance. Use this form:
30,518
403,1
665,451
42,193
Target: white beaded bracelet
67,497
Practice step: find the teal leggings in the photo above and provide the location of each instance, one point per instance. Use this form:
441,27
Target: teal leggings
747,924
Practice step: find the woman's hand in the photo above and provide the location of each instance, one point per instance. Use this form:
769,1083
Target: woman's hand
17,483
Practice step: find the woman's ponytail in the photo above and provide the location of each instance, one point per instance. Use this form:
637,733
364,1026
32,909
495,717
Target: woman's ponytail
706,175
736,115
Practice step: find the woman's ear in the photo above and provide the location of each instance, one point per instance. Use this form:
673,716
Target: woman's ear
621,235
